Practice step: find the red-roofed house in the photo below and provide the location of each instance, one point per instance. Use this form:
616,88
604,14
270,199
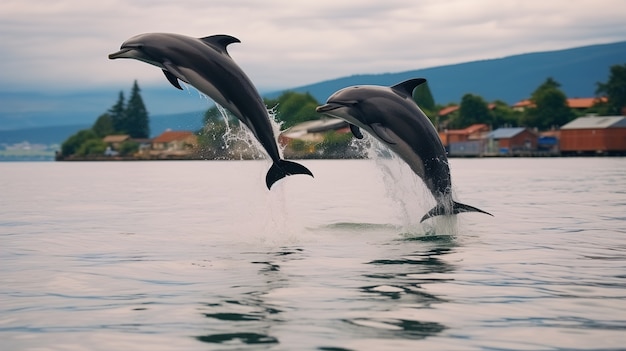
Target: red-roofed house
573,103
522,105
594,135
473,132
448,110
584,103
174,142
465,142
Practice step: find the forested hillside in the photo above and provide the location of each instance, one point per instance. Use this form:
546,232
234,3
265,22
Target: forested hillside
509,79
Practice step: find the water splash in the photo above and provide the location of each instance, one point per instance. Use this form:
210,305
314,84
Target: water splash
273,215
268,220
276,128
240,137
407,191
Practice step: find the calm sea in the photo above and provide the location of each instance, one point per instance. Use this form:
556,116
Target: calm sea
200,255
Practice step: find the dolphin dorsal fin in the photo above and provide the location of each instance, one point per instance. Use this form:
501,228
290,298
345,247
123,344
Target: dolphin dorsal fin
220,42
408,86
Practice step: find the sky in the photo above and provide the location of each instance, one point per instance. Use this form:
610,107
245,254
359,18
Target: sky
63,45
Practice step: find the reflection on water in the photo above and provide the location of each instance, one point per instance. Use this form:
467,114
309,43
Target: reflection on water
258,319
396,328
401,280
249,313
246,338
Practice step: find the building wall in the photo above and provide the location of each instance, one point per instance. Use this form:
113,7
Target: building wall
525,140
467,148
616,139
177,145
473,132
607,139
455,138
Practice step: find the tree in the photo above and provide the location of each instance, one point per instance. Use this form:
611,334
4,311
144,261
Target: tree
128,147
214,115
131,118
74,142
335,144
615,91
92,147
293,108
103,125
118,113
473,109
137,123
223,137
550,83
424,99
503,115
550,107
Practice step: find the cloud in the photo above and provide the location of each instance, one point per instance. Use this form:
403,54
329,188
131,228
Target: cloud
64,44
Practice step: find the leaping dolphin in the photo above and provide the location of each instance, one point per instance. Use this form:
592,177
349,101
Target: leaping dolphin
392,116
205,64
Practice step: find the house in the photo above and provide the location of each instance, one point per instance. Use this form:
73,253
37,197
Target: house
453,108
579,104
465,142
594,135
585,103
511,141
448,110
473,132
548,142
522,105
114,141
176,143
313,131
471,148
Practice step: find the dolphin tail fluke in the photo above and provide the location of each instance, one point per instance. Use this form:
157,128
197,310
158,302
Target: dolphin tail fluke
283,168
457,207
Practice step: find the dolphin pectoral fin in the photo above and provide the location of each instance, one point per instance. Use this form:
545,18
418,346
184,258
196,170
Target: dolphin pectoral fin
173,70
383,133
172,79
220,42
282,169
408,86
356,131
457,208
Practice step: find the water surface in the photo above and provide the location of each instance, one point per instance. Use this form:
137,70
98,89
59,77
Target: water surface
201,256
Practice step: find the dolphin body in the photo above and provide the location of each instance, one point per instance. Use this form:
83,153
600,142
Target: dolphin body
391,116
205,64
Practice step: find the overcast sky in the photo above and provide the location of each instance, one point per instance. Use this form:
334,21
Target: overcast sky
49,44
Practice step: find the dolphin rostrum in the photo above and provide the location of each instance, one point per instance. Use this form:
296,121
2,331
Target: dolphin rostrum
391,115
205,64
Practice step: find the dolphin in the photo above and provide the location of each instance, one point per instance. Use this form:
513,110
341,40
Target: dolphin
391,115
205,64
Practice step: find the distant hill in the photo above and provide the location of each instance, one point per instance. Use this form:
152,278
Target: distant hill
35,109
49,135
509,79
40,135
23,115
191,121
